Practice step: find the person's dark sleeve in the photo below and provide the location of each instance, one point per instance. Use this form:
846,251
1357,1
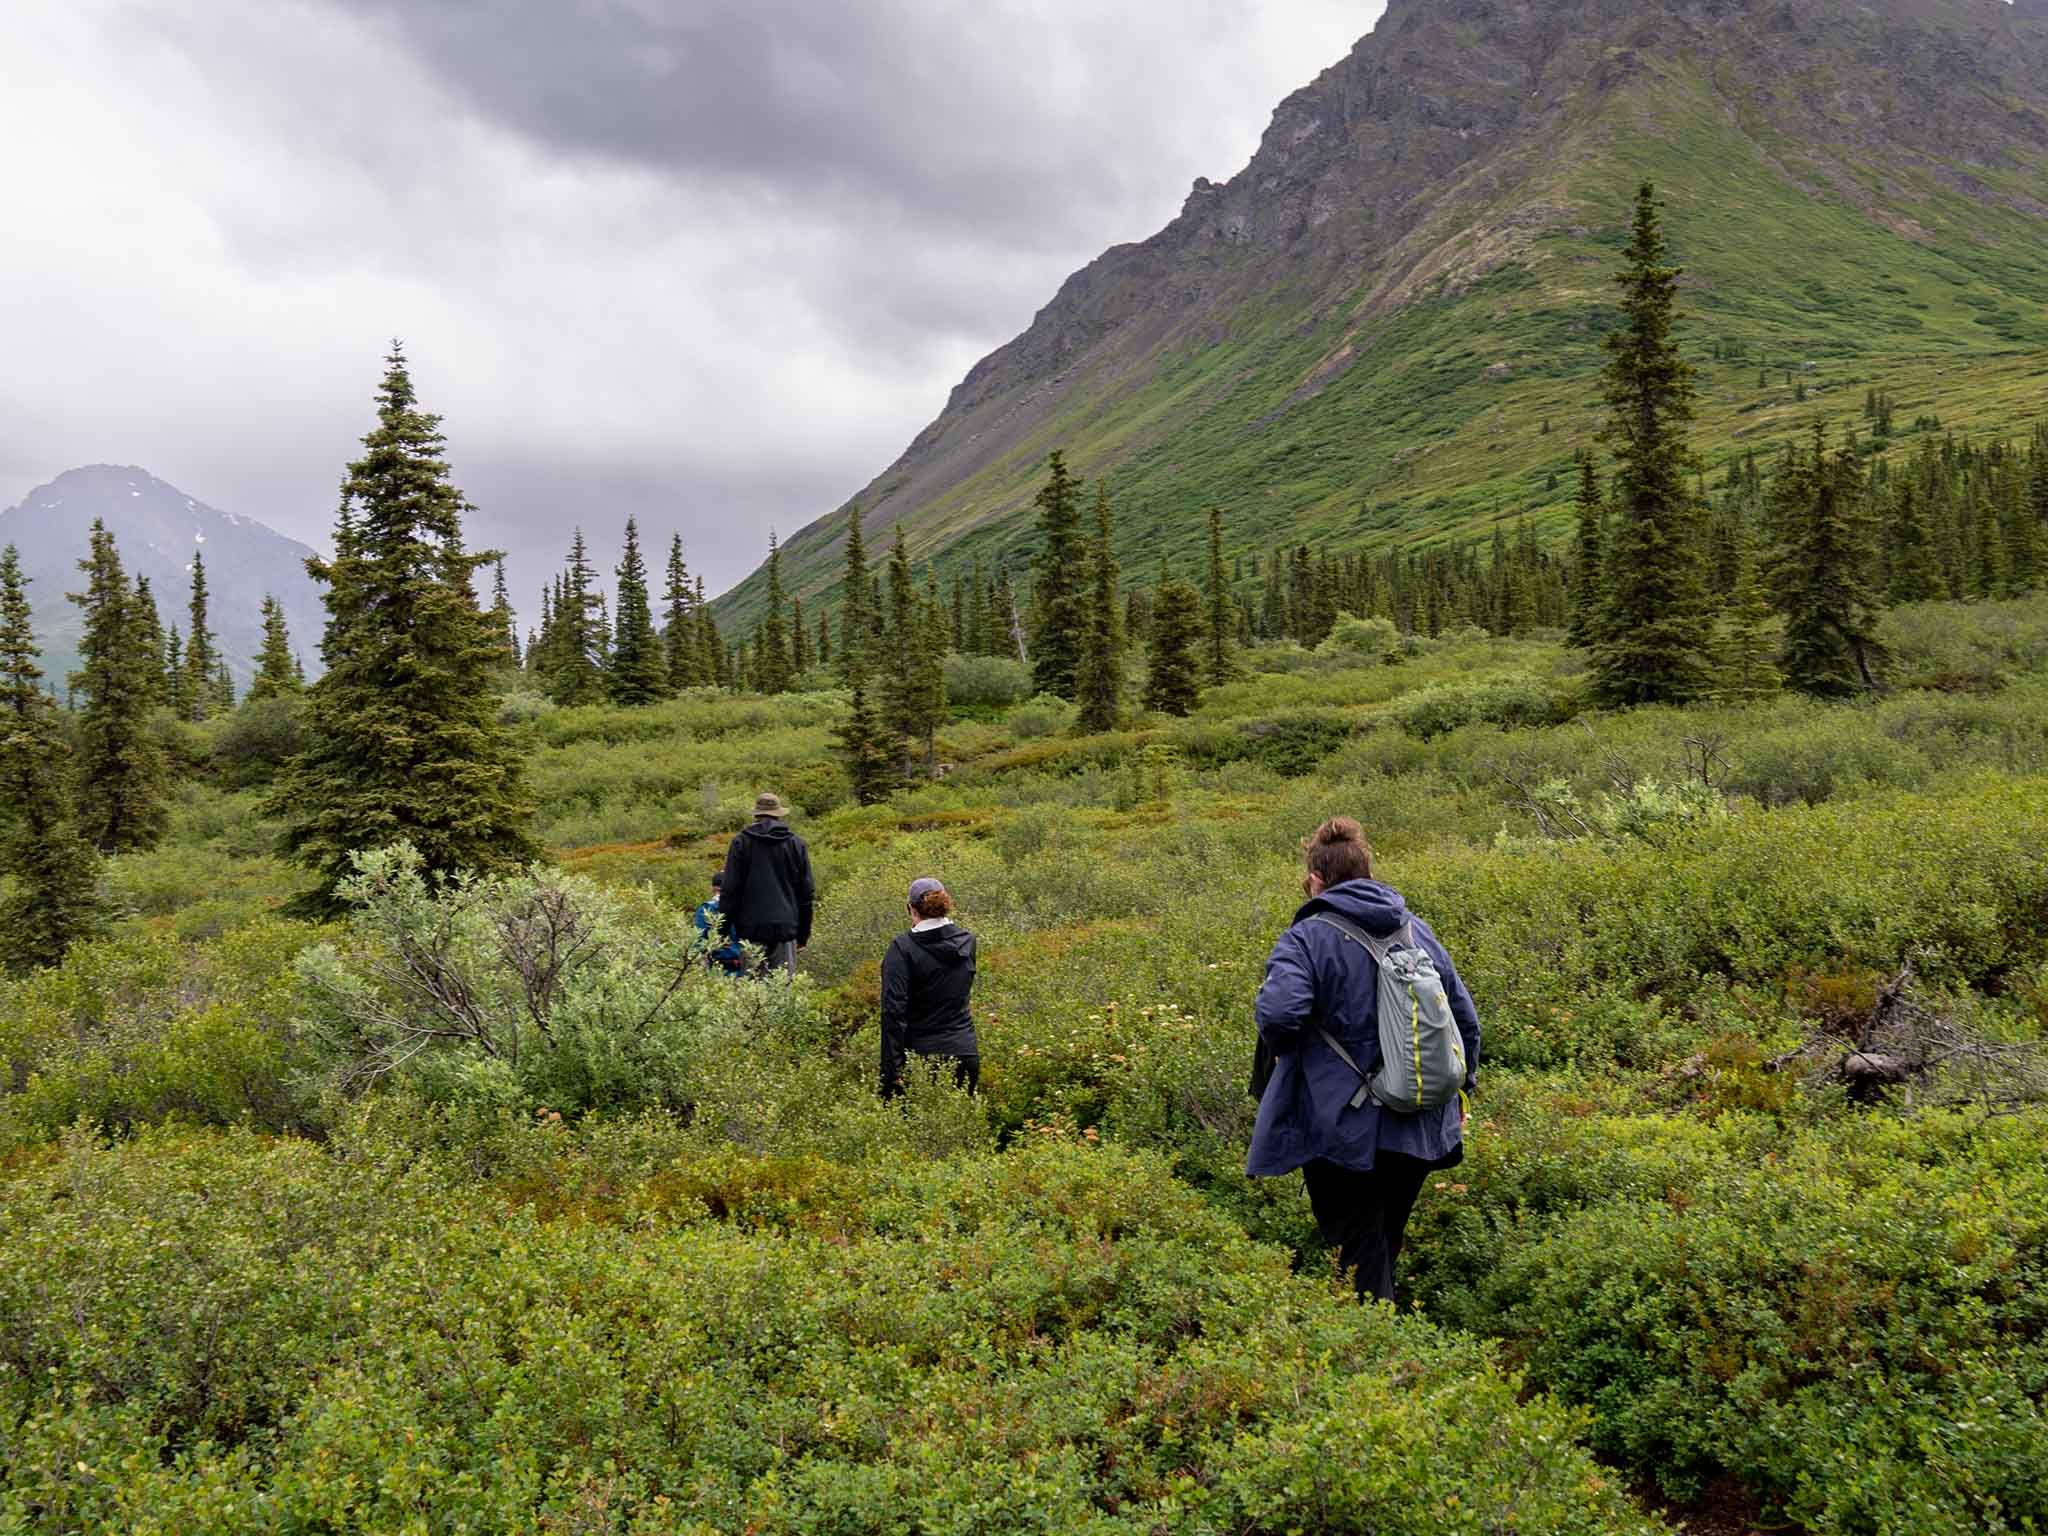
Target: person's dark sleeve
895,1014
1287,998
1462,1007
732,887
806,893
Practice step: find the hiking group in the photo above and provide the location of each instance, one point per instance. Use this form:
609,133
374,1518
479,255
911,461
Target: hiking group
1368,1043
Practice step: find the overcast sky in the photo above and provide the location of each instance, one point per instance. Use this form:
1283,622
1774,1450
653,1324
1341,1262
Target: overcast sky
709,262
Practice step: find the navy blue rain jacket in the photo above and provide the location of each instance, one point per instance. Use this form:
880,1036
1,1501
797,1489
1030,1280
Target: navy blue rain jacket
1316,978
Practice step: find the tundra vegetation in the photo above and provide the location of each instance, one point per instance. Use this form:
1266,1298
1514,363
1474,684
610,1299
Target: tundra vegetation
459,1198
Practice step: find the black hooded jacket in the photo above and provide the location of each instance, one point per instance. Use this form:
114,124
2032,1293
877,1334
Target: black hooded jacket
926,980
767,893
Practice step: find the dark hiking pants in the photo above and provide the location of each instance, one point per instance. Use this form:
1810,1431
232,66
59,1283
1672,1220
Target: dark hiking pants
1364,1215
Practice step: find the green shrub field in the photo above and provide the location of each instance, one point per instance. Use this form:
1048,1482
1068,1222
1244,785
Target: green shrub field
395,1223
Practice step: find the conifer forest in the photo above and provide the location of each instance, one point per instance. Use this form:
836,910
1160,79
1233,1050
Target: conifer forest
381,1148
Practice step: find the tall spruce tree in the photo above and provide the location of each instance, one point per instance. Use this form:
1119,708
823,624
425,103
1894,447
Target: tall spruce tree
856,614
1587,597
639,670
202,658
865,748
575,665
1656,622
865,744
503,619
121,783
711,655
149,641
1748,666
934,638
54,900
681,653
1059,610
1831,644
277,673
1915,575
403,741
1099,679
771,652
1173,685
898,657
174,675
1221,622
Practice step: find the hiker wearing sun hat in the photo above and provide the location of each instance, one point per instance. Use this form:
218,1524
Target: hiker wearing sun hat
767,892
927,977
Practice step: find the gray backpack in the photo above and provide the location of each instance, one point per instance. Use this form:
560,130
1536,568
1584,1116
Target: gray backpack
1422,1054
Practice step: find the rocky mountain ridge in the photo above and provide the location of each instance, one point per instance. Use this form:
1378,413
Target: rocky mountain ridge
1489,144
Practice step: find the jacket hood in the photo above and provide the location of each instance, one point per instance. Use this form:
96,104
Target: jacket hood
950,945
768,831
1374,907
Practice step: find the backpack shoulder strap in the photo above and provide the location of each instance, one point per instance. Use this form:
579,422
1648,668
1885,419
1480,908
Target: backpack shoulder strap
1378,948
1359,936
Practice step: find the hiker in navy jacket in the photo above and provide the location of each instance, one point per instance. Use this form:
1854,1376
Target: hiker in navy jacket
1363,1166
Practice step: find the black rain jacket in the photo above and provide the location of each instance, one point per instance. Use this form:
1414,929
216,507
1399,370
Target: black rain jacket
767,892
926,980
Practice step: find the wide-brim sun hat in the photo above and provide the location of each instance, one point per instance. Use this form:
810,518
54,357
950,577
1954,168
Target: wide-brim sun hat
768,803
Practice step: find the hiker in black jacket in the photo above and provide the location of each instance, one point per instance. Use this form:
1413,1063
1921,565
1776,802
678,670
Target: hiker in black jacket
767,892
927,976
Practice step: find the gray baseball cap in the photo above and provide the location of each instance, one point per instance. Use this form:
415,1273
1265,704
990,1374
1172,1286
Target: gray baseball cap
922,887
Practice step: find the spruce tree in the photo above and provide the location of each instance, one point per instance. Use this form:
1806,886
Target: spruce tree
1173,686
680,652
898,655
856,617
799,641
1587,597
403,738
1915,571
934,638
1748,667
149,641
711,665
1059,613
1008,623
824,638
174,697
771,650
1221,624
121,783
202,661
503,619
865,748
639,669
1098,681
1831,644
574,667
54,899
276,672
1656,620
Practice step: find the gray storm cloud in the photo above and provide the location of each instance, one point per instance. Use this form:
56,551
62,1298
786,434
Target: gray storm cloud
710,263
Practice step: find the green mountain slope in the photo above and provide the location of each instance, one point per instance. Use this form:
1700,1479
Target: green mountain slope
1362,336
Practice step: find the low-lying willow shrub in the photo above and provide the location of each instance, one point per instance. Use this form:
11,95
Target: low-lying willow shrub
1059,1340
1847,1312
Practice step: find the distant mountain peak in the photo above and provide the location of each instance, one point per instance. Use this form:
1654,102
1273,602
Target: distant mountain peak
157,527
